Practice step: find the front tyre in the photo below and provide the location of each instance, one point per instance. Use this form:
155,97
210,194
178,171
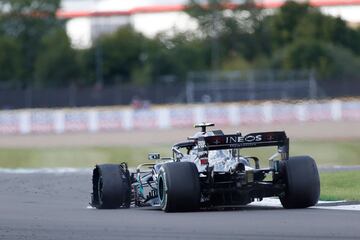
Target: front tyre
302,183
111,187
179,187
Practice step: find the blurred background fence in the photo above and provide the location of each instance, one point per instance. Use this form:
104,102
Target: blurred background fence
175,116
199,87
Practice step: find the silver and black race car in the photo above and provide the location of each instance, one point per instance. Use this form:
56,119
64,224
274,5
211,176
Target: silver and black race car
208,170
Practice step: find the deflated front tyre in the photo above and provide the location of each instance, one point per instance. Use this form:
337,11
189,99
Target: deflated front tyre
111,187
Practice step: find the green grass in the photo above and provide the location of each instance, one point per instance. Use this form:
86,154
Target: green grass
340,186
326,153
334,186
73,157
329,152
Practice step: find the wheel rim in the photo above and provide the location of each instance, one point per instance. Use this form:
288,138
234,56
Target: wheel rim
161,189
100,190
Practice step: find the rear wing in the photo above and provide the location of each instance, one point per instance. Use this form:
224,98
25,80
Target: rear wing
252,140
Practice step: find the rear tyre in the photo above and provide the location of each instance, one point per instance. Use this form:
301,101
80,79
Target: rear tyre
179,187
302,183
111,187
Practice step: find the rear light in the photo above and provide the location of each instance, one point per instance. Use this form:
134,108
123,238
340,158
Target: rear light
204,161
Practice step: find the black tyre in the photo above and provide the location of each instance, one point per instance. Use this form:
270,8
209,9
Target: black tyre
111,187
179,187
302,183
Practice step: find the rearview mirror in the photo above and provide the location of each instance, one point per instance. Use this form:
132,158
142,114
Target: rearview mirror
154,156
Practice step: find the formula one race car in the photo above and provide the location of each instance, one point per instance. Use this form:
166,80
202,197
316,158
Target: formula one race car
208,170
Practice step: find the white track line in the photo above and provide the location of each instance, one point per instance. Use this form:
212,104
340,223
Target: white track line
45,170
355,207
275,203
267,202
330,205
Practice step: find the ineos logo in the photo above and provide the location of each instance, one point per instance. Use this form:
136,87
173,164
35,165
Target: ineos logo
241,139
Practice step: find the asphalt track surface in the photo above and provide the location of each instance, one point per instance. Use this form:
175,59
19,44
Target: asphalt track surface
54,206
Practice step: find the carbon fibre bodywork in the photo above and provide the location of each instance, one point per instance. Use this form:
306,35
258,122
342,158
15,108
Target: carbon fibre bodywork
209,170
226,177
